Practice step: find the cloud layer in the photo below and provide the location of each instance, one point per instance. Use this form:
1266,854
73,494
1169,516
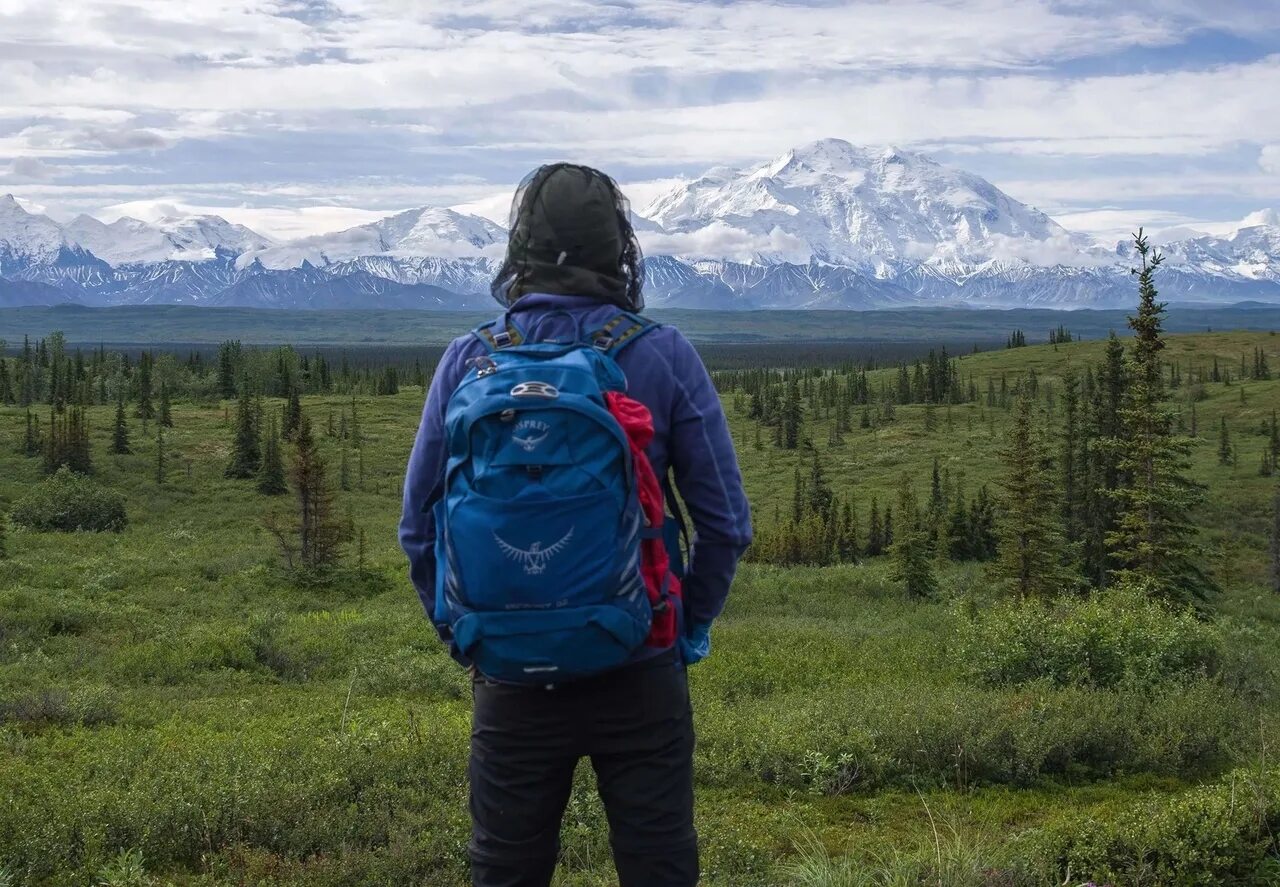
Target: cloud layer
301,111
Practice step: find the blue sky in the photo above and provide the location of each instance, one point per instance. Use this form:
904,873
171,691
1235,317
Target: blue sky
297,116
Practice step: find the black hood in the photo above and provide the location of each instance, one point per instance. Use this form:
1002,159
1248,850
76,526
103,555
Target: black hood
570,234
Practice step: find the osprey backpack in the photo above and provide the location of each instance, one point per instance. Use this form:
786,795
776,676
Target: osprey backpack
540,527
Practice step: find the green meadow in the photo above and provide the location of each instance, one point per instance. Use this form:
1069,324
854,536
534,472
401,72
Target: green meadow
176,708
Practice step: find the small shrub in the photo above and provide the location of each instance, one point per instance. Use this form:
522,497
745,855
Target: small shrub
67,502
1104,641
53,707
1224,833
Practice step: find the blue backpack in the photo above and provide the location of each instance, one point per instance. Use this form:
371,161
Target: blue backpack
539,525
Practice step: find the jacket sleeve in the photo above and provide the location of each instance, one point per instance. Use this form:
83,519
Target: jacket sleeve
710,483
424,479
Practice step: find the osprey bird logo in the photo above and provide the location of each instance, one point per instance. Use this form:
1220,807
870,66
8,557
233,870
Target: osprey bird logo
535,559
529,434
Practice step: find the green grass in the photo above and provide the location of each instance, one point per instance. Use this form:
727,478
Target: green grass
173,710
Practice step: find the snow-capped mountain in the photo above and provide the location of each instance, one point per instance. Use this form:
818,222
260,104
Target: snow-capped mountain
415,233
34,238
824,225
833,202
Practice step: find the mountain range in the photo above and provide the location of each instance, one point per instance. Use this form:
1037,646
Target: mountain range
825,225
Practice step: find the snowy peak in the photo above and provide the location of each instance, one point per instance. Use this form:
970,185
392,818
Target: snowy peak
206,235
27,236
867,207
415,233
37,238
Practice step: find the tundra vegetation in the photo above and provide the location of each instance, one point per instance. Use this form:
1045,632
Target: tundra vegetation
1012,619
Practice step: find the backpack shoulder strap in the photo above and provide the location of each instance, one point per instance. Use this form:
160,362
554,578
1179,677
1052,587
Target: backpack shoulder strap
501,333
623,330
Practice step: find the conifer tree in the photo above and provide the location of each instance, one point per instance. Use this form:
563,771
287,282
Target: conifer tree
31,445
912,562
4,523
1033,555
120,434
875,531
1225,452
1069,458
1154,540
246,452
271,477
983,541
160,455
166,415
292,415
146,410
320,532
1102,475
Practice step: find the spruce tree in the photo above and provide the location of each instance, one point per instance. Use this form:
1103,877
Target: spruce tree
246,452
120,434
1154,540
875,531
318,534
1033,554
1069,458
146,411
160,455
271,477
1225,451
1100,463
166,415
912,561
292,415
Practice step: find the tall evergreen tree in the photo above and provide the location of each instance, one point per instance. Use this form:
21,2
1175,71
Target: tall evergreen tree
292,415
120,434
912,561
1225,452
271,477
246,451
1069,453
161,461
1100,463
166,413
1154,540
320,532
146,410
1033,555
875,531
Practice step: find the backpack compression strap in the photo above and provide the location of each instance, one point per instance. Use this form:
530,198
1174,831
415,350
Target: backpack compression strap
620,332
498,334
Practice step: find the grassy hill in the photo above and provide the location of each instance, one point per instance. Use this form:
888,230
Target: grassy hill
174,709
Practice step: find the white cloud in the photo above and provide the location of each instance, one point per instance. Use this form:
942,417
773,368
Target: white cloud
1269,159
721,241
328,110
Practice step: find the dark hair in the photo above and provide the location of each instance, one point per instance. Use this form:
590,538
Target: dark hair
570,233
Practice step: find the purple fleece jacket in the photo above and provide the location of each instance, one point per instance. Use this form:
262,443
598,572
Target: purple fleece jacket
691,437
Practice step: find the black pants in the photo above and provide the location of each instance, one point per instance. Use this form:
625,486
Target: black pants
635,724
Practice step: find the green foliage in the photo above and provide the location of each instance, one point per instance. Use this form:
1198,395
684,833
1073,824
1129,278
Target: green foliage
1224,833
68,501
1109,640
1033,557
1154,539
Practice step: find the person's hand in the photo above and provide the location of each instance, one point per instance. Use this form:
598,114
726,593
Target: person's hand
695,644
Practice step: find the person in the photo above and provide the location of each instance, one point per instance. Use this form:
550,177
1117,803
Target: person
572,264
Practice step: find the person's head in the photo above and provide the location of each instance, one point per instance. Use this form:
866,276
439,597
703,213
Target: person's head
571,234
